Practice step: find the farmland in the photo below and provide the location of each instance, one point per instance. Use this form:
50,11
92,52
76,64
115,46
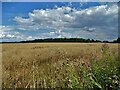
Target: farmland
61,65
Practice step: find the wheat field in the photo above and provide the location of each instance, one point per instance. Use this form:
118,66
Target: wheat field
61,65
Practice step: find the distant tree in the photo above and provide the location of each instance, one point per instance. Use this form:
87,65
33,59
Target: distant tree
117,41
63,40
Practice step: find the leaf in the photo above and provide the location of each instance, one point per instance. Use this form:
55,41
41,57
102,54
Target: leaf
97,84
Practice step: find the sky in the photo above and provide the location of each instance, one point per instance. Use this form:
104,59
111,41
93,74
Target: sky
38,20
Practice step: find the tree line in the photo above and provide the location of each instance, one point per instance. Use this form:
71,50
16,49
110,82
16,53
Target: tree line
66,40
70,40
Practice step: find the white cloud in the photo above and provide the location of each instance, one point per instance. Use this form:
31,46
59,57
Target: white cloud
4,32
6,28
7,33
98,22
21,20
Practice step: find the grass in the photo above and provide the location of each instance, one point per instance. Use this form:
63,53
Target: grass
91,66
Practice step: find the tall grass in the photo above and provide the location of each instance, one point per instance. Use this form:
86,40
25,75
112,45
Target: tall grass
76,66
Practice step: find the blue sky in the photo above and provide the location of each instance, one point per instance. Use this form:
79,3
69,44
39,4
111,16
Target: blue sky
12,9
32,20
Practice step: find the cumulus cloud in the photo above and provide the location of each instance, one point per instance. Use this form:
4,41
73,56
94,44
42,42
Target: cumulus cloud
99,22
6,28
4,32
7,33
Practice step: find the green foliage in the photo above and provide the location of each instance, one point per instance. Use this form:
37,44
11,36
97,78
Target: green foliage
72,78
104,73
106,70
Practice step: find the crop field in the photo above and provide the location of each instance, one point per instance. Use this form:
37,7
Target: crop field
87,66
